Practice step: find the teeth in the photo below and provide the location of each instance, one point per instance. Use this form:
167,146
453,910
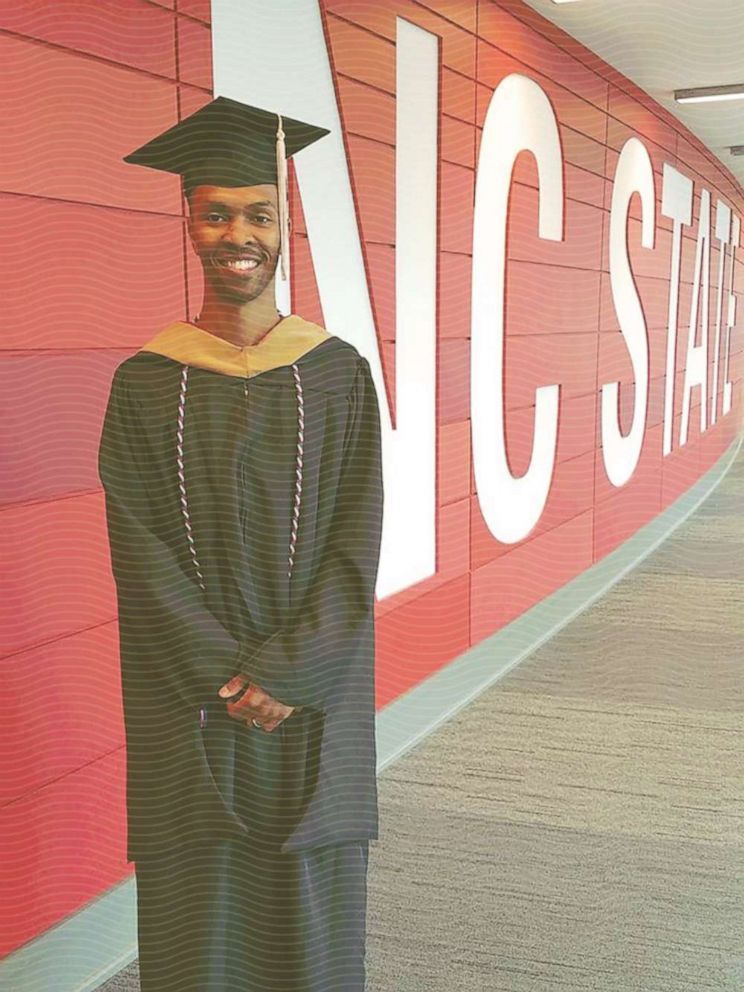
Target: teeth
242,264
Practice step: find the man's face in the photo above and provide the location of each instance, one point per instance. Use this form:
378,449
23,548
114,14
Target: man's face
235,232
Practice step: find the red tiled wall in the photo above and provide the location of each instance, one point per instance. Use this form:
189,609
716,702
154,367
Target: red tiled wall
95,255
560,322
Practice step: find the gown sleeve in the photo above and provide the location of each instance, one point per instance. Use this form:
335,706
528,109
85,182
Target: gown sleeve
188,651
318,659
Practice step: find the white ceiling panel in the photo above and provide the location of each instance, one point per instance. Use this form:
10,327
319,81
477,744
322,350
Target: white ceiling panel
667,45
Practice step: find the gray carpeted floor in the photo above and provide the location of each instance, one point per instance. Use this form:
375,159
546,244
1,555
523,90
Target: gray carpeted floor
580,826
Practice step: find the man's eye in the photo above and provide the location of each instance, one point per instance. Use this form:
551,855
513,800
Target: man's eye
265,217
217,215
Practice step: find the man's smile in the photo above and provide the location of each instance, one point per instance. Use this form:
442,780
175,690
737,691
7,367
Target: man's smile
241,264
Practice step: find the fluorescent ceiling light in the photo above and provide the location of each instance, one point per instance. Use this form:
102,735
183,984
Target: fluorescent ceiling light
703,94
737,149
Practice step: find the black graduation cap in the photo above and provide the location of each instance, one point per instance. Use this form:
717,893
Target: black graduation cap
228,143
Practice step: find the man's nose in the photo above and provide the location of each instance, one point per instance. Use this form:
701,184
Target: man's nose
239,232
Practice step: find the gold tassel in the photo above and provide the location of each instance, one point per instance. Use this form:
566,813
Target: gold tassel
281,187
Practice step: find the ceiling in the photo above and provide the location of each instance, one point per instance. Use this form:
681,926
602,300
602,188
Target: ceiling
666,45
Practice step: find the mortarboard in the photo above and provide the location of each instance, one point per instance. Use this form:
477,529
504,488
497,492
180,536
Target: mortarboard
228,143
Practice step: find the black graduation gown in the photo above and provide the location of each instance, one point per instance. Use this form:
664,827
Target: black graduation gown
244,498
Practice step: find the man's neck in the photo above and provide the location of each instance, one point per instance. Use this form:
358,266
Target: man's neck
241,326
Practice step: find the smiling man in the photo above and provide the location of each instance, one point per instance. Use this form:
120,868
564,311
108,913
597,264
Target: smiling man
241,463
240,267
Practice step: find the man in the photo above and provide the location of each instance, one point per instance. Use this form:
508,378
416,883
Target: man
241,464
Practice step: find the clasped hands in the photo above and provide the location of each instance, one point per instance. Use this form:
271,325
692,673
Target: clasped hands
254,703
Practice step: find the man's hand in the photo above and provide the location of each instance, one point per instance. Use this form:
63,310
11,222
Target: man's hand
255,703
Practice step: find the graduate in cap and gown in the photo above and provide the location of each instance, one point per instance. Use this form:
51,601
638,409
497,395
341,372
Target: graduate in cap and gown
241,464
